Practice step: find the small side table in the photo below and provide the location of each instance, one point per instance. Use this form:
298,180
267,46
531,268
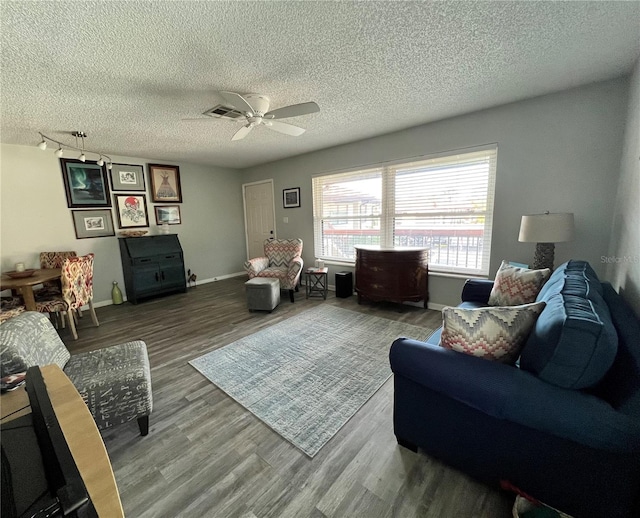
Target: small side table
316,282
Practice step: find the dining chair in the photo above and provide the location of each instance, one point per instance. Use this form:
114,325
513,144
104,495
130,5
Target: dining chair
53,260
10,307
76,277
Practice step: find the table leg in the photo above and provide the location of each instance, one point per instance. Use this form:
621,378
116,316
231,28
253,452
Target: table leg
28,297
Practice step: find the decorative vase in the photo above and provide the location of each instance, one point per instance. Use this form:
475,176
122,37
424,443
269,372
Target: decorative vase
116,294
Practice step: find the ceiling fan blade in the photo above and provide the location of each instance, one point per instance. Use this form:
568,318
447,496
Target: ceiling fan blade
292,111
238,102
242,132
207,119
283,127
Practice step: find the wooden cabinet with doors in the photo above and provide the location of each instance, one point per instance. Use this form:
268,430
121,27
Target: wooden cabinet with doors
393,274
152,265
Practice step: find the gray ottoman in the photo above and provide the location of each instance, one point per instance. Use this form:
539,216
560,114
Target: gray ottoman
263,293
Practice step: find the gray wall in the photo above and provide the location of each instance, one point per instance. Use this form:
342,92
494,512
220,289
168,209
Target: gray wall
624,253
34,217
560,152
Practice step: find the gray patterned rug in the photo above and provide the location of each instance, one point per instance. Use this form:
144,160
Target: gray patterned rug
306,376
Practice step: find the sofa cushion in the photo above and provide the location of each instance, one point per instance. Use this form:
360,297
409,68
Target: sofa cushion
574,342
492,333
514,286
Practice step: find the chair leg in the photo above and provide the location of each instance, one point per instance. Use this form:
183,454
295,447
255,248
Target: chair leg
143,424
72,324
94,317
291,295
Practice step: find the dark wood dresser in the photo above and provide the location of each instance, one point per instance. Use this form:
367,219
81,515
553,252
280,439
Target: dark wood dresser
152,265
393,274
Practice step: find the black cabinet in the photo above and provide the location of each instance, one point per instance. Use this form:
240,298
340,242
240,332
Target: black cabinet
152,265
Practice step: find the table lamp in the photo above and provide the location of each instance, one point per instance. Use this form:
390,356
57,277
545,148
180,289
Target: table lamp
545,230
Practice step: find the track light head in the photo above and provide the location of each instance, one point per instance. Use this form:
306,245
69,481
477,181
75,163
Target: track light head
82,157
109,166
58,153
100,161
42,145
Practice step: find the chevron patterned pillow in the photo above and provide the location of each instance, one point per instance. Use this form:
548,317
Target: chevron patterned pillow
514,286
492,333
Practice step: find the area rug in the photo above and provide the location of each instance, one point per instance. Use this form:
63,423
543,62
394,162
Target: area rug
306,376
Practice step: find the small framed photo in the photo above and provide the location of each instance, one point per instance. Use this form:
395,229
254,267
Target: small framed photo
93,223
169,214
131,210
165,183
85,184
127,177
291,197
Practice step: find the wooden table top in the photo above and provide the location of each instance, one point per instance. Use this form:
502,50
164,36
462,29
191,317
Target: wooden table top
82,436
38,277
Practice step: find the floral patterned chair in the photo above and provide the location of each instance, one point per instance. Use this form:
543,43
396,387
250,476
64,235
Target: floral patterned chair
10,307
114,382
282,260
77,291
53,260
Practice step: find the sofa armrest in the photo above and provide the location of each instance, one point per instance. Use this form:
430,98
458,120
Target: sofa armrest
476,290
254,266
506,392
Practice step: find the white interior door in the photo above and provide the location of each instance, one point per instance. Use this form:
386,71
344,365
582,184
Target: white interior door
259,216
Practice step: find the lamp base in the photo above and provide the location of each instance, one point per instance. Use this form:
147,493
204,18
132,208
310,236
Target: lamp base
543,257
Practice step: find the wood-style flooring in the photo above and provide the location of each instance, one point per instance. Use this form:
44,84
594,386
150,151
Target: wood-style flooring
206,456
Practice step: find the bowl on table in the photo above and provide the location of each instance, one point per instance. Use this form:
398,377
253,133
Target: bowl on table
20,275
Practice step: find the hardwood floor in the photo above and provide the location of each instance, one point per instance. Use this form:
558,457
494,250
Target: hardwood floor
207,456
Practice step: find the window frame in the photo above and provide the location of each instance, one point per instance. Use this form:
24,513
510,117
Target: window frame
388,215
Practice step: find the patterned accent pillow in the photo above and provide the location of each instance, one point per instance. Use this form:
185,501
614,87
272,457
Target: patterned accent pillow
514,286
492,333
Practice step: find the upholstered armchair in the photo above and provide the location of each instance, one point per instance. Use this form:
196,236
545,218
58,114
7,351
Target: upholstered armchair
282,260
114,382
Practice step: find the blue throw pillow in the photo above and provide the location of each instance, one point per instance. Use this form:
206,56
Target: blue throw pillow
574,342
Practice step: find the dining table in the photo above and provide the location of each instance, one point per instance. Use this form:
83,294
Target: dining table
24,285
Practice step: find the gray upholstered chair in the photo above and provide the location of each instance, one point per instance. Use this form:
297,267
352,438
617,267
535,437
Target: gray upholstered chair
115,382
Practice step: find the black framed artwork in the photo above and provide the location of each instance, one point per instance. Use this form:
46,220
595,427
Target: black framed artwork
127,177
291,197
85,184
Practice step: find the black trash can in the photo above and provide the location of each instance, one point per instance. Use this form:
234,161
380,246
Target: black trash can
344,284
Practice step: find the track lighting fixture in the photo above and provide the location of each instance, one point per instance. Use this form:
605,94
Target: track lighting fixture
102,158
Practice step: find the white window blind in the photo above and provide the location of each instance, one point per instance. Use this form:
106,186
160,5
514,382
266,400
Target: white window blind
444,203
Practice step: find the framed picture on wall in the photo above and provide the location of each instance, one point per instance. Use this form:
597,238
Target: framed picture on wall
131,210
127,177
85,184
291,197
165,183
169,214
92,223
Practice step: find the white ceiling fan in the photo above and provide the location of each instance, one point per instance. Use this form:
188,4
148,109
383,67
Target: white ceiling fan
255,109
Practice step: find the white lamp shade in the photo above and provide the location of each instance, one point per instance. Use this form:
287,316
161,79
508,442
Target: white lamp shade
546,228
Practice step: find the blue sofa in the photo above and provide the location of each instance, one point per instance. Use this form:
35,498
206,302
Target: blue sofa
562,426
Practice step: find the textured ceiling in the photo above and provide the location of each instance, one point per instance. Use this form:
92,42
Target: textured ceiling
126,73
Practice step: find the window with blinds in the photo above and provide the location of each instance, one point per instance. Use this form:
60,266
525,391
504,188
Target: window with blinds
444,203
